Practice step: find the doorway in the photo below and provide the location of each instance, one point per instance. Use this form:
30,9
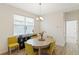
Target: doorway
71,31
71,37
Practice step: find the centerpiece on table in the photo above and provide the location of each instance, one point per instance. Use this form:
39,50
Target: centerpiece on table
41,34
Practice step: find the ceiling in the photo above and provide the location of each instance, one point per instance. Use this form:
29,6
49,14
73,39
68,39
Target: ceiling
46,7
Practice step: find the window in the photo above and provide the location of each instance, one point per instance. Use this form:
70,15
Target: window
29,25
23,25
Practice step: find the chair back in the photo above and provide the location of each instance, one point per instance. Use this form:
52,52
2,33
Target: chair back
12,40
52,46
29,49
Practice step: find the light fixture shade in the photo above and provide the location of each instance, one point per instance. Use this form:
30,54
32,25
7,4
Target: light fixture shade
37,18
41,18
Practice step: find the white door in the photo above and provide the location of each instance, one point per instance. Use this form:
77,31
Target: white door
71,31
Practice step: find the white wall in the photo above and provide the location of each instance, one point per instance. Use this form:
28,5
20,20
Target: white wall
54,25
72,15
6,23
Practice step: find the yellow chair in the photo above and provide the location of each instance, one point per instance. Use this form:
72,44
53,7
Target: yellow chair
29,50
12,43
51,48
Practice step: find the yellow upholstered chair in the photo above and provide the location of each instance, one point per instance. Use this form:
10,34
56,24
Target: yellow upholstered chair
51,48
12,43
29,49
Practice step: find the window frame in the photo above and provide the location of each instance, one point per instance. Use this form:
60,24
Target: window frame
25,26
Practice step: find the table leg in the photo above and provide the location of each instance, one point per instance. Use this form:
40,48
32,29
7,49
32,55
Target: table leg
39,52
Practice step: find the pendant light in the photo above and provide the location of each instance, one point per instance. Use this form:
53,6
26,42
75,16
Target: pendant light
40,17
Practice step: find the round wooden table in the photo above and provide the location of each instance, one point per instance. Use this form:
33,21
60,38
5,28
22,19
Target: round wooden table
39,44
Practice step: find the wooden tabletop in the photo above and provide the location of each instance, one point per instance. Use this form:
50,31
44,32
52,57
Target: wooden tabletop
36,43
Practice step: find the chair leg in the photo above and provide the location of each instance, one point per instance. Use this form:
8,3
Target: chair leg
50,53
25,51
55,51
10,51
18,48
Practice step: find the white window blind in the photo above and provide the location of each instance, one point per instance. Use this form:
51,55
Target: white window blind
23,25
29,25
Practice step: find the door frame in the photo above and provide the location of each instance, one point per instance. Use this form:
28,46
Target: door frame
65,30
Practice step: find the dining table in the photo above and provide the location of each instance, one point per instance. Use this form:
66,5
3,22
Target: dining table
39,44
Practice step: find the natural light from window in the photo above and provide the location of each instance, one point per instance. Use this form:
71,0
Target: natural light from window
23,25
